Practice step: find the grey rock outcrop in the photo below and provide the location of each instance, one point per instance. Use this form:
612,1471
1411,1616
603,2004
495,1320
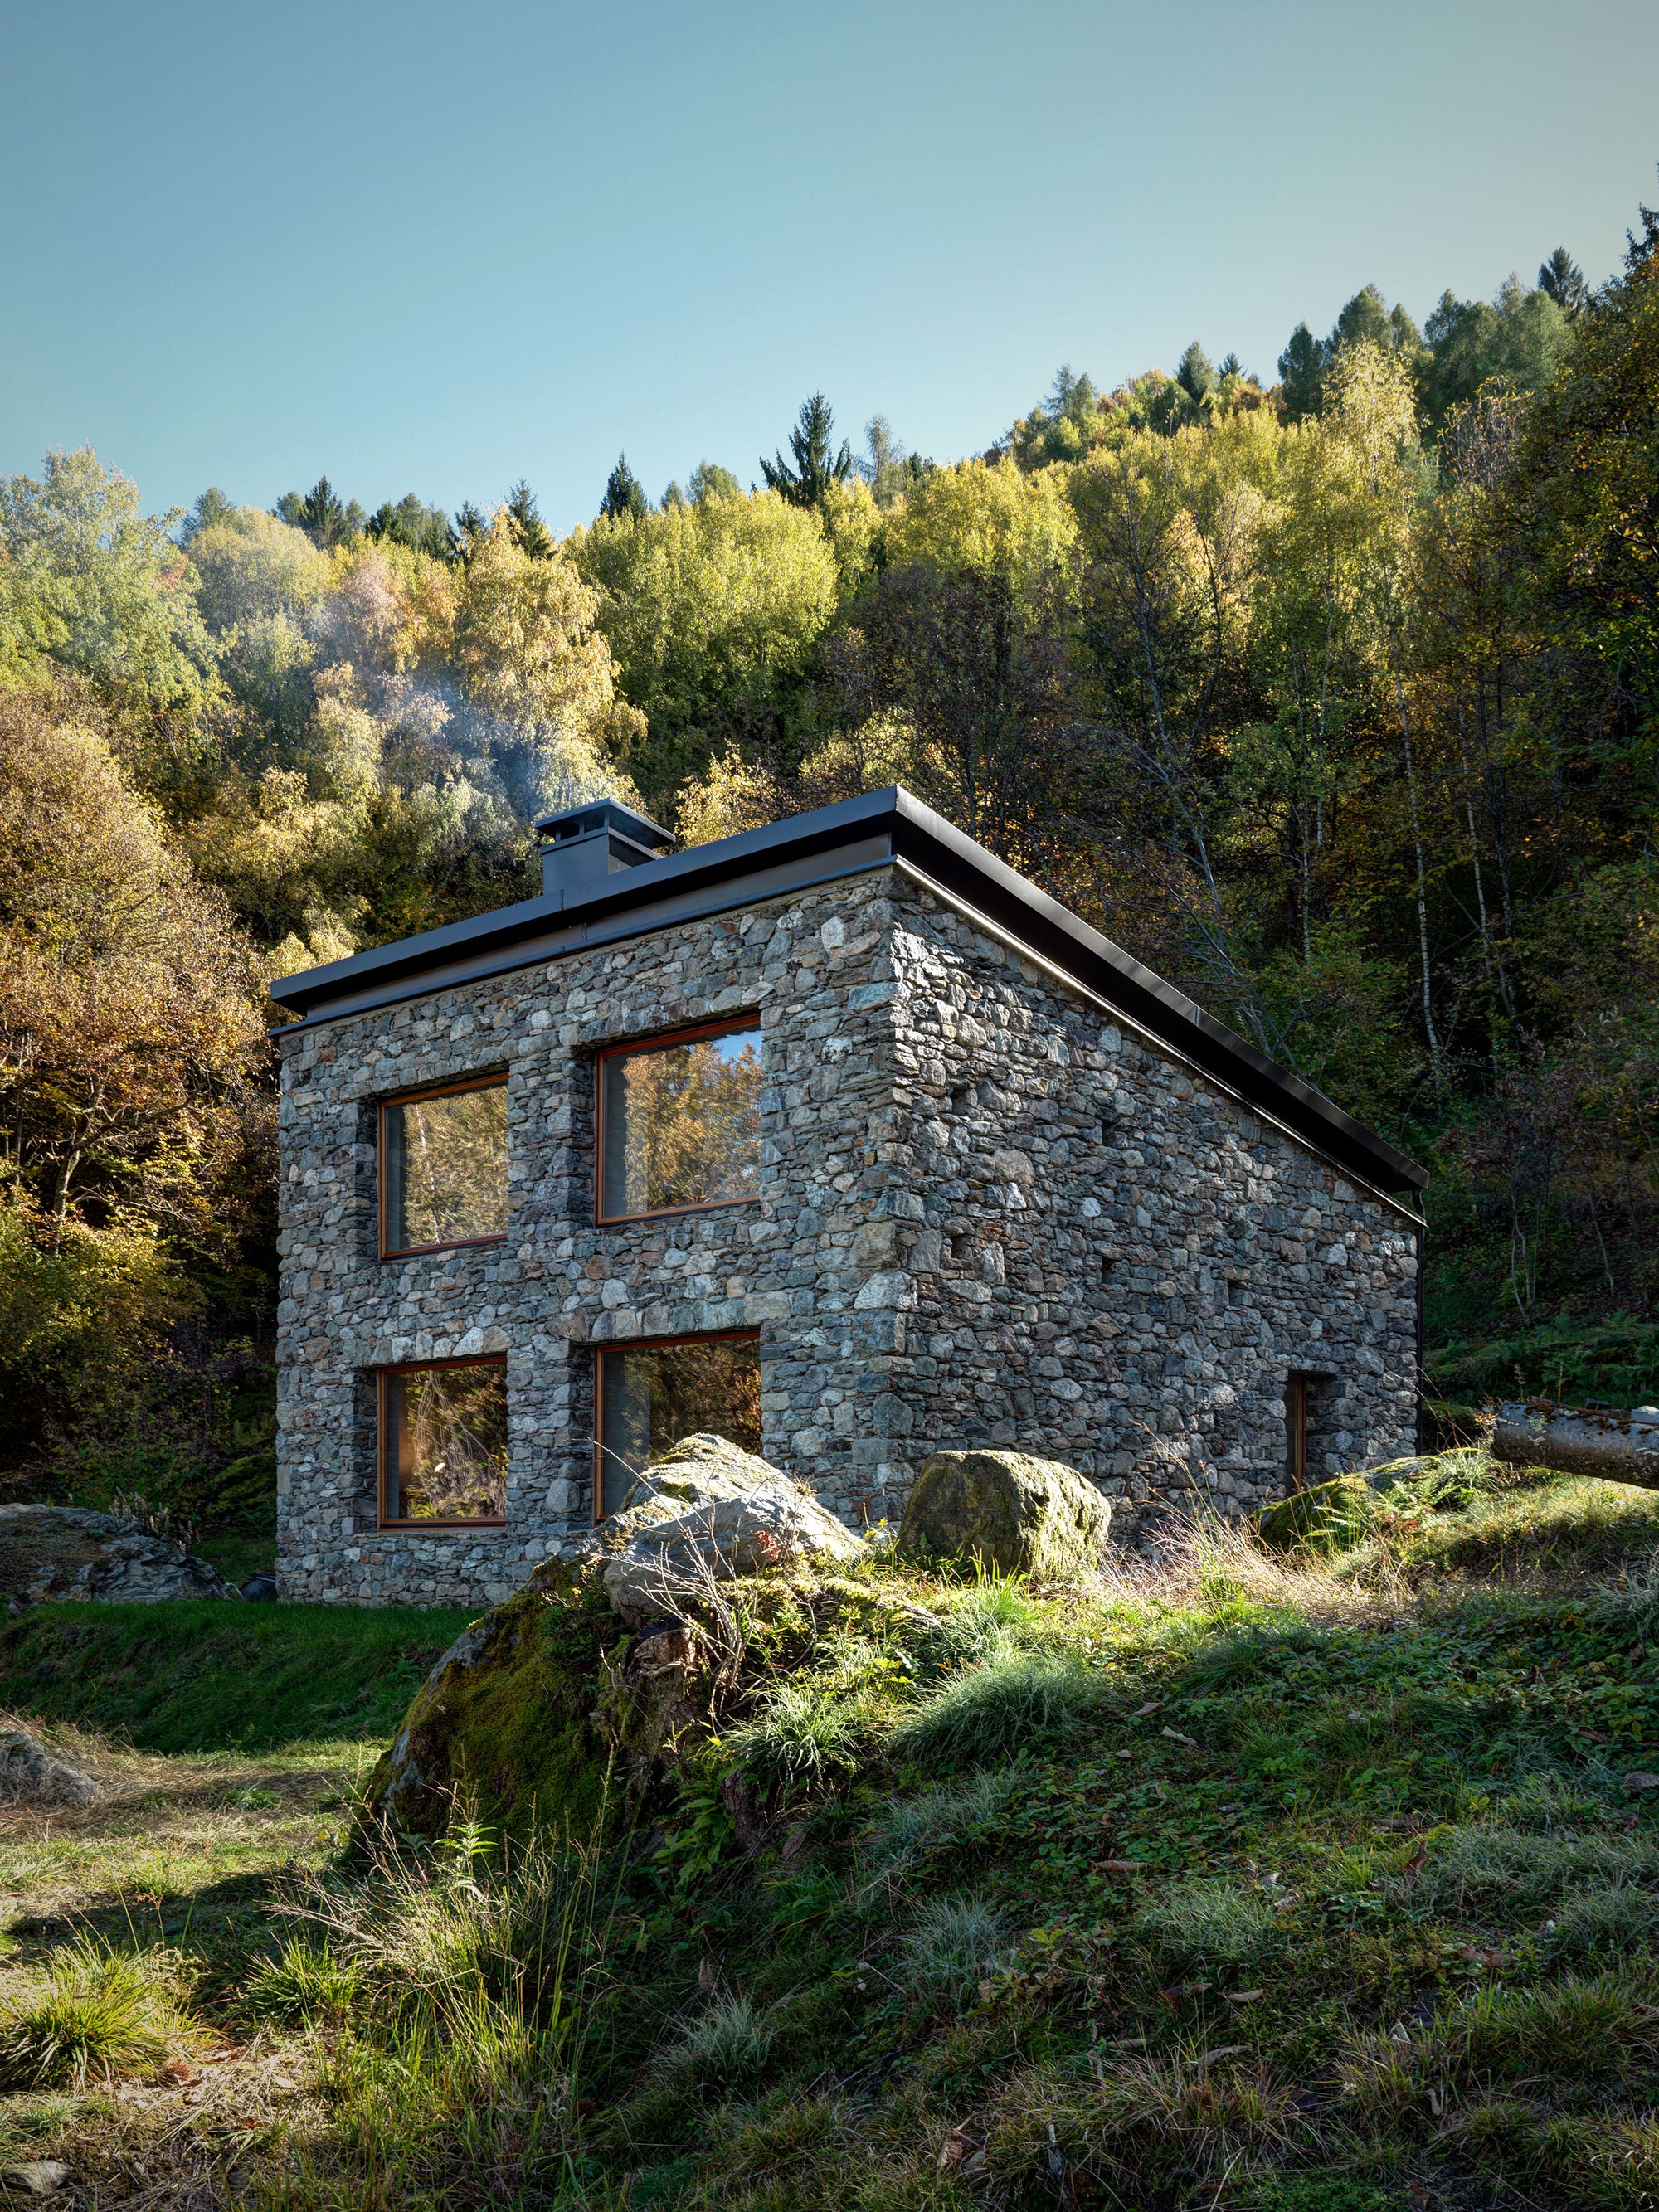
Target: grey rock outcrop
708,1511
68,1552
1019,1515
36,2177
30,1775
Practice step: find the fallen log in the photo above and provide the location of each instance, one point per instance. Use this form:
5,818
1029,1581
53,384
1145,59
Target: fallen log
1598,1440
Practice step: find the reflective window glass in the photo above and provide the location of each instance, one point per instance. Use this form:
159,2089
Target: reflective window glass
680,1124
652,1395
443,1169
443,1441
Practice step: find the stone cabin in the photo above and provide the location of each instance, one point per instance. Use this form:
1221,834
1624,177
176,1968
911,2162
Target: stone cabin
838,1138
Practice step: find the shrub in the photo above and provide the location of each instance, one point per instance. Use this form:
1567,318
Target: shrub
94,2014
1502,1876
953,1943
1606,1922
915,1824
989,1713
799,1742
986,1625
725,2048
1212,1922
81,1310
304,1982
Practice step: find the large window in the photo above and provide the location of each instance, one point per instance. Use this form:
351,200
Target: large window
443,1167
443,1444
679,1122
650,1395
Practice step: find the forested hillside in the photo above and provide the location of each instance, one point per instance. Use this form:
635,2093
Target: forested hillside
1336,701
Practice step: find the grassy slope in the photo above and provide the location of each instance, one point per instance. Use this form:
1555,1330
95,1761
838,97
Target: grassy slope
210,1676
1309,1890
1385,1936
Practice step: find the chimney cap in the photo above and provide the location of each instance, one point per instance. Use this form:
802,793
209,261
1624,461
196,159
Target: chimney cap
603,814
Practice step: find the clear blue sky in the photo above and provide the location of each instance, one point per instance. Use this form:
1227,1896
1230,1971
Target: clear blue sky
432,248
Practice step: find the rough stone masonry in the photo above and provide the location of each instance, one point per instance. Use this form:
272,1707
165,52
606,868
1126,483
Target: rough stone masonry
990,1212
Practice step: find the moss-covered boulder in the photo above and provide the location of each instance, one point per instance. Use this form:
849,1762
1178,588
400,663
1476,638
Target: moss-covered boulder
1018,1515
1328,1517
506,1719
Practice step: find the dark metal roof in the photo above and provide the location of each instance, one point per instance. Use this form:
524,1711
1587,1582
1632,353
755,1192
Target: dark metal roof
829,844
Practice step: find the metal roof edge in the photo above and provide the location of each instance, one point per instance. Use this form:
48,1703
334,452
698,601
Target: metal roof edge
963,868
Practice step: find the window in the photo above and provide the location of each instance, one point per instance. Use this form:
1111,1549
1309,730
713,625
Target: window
1296,1433
443,1167
679,1122
1303,1391
650,1395
443,1444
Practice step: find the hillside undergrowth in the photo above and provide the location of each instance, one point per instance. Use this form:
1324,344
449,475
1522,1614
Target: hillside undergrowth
1293,1886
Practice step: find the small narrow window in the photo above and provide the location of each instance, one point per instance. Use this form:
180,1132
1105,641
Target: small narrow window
1296,1433
650,1395
1239,1294
679,1122
443,1167
443,1444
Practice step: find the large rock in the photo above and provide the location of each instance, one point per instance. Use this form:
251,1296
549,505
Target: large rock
708,1511
1020,1516
505,1720
1328,1517
30,1775
67,1551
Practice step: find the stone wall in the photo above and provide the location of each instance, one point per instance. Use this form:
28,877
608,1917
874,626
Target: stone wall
986,1213
1112,1261
796,1266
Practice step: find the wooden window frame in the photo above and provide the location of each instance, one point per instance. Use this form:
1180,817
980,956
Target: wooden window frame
413,1098
602,1352
1296,1431
1300,1384
663,1041
382,1376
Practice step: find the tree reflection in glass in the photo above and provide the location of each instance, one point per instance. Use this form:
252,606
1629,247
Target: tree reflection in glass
681,1124
653,1394
444,1164
444,1443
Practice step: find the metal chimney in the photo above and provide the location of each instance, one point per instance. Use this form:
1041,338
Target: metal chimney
581,848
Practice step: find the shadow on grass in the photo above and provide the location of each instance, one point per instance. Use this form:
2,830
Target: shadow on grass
208,1675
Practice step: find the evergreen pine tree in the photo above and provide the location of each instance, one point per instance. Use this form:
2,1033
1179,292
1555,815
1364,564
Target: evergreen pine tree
1364,317
1564,280
1640,250
320,512
214,506
530,534
816,463
1195,372
470,523
1302,368
624,495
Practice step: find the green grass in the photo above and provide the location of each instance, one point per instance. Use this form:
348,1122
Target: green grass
1280,1884
93,2012
210,1676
